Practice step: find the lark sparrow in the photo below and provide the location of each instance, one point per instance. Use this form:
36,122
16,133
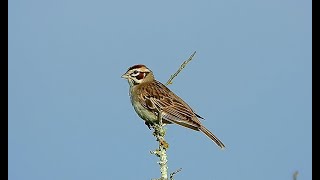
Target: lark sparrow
151,99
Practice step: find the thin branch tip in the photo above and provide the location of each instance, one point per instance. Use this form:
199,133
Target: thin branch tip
174,173
182,66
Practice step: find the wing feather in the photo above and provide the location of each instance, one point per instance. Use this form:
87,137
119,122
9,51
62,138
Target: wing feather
173,108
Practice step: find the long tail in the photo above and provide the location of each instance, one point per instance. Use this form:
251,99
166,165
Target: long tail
212,136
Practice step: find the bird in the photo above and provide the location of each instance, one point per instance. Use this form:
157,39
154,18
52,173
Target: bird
151,99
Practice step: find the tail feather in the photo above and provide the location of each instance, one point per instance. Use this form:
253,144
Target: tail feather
212,136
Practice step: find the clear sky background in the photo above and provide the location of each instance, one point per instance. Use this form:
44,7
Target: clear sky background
70,117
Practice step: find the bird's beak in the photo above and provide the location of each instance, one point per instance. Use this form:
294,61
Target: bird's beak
125,76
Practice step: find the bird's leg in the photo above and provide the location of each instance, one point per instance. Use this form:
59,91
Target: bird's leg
149,124
160,118
160,130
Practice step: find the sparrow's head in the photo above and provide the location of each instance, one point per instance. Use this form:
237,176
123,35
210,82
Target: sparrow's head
138,74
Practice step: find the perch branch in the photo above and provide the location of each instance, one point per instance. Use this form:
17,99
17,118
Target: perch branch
160,132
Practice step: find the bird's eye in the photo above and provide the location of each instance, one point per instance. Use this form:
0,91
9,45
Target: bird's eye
135,72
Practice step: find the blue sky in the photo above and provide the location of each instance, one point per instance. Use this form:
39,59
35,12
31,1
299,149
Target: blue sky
69,112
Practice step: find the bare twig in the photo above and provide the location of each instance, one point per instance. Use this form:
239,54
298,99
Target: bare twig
183,65
174,173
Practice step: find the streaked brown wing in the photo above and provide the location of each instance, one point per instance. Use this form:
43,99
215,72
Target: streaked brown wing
158,97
